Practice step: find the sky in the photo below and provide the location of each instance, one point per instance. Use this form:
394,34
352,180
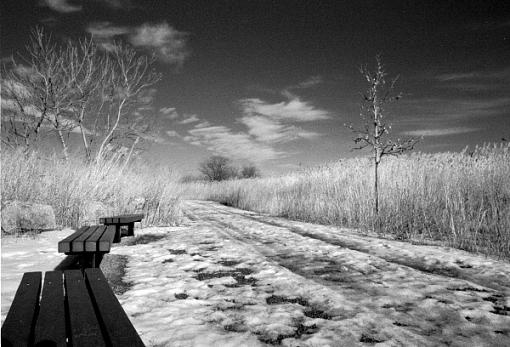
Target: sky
275,82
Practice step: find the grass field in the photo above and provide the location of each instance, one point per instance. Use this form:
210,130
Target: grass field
461,199
70,186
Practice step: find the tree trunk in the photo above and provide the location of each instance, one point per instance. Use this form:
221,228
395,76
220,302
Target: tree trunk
64,145
376,190
99,155
129,154
85,143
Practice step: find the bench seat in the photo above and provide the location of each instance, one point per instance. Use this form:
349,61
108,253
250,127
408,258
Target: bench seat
90,242
74,309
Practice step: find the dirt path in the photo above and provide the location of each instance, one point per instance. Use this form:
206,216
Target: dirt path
394,293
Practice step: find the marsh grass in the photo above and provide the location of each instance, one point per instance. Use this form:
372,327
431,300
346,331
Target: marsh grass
460,199
71,187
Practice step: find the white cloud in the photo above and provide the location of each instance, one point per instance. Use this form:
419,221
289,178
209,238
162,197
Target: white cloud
268,130
189,119
169,43
294,109
440,132
169,112
222,140
63,6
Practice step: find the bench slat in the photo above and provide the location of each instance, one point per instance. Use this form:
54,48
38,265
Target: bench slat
114,319
64,246
78,244
85,329
106,239
51,323
91,244
17,327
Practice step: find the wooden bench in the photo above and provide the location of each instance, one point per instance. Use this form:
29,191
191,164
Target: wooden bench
121,220
90,243
74,309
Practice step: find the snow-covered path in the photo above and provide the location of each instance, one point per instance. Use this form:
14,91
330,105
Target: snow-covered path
232,277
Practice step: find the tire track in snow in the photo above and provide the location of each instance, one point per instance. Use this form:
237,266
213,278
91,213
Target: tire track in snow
398,288
458,271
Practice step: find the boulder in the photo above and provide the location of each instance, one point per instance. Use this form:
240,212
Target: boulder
25,216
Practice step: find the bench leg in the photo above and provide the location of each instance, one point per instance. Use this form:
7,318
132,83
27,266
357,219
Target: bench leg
96,259
91,260
131,229
117,237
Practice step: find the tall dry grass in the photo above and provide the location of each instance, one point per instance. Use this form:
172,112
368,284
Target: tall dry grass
461,199
72,188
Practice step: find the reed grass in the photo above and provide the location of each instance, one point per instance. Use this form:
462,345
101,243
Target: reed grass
70,187
460,199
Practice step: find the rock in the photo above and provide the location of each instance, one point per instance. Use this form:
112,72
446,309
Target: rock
26,216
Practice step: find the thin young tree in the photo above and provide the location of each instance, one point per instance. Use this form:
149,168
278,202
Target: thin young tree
373,134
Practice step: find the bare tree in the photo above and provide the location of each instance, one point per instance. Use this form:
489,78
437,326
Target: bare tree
76,86
218,168
374,131
131,75
34,84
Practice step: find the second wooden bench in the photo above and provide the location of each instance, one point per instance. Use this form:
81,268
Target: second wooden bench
122,220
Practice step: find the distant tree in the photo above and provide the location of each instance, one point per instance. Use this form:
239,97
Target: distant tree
374,131
250,171
218,168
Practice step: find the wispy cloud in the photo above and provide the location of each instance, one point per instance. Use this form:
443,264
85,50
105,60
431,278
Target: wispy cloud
169,44
267,130
439,132
274,122
503,74
62,6
237,145
106,30
169,113
189,119
294,109
268,126
308,83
